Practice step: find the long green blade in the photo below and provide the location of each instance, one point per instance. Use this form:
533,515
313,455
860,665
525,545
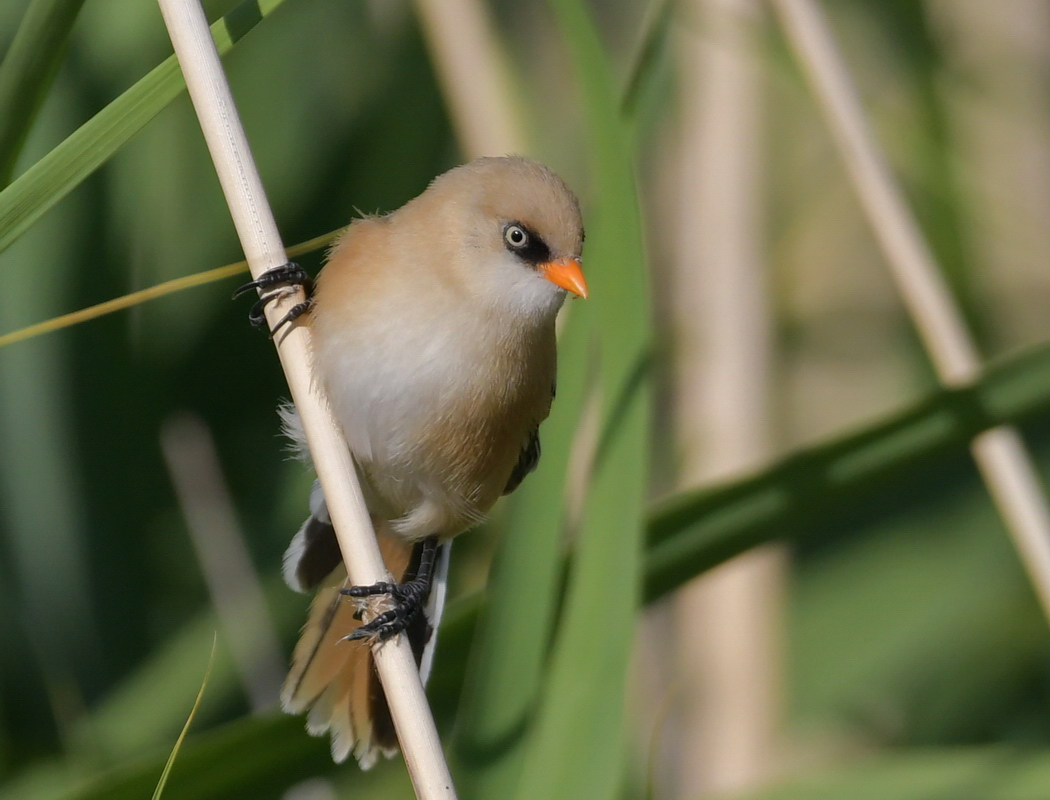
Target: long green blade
707,525
93,143
577,745
509,654
165,773
28,70
694,531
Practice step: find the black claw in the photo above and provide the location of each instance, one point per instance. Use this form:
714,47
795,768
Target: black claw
409,598
370,591
257,313
290,274
384,622
293,314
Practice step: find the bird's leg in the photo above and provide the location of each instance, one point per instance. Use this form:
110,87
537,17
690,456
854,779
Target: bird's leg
281,280
409,597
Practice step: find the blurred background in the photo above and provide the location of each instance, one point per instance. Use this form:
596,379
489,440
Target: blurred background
146,496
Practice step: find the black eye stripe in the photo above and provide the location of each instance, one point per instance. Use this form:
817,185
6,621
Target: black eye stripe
534,251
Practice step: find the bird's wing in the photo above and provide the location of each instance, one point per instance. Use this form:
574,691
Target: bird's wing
527,461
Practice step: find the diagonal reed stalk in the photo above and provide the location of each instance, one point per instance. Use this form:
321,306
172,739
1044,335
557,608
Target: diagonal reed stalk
262,245
1000,454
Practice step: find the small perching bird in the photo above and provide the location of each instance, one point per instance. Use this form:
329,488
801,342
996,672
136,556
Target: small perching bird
433,339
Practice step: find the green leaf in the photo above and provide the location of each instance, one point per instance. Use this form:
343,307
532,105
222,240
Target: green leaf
650,51
576,748
509,655
242,759
147,707
165,773
54,176
695,531
711,526
902,613
28,70
963,773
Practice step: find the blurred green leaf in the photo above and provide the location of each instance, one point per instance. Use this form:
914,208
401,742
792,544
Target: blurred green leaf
509,656
694,531
1012,390
51,178
985,773
258,757
27,71
577,744
510,653
147,707
253,757
891,628
651,49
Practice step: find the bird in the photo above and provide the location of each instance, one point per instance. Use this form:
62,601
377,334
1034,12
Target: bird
433,338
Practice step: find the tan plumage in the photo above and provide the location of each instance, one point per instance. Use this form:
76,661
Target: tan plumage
433,336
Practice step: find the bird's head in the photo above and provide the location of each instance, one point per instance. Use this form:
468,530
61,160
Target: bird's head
520,232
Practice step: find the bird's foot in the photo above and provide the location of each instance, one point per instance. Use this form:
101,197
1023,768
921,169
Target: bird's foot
408,598
274,283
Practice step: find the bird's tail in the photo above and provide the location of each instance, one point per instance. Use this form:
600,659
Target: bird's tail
336,680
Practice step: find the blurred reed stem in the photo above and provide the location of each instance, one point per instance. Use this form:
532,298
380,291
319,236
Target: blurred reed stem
1000,454
474,78
218,539
996,59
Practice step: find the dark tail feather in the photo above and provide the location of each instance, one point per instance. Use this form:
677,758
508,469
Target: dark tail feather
314,551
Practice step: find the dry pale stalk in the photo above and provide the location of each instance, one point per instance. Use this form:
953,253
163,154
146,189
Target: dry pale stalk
473,75
727,621
997,57
263,249
1001,456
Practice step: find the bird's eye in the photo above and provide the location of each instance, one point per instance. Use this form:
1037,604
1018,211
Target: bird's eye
515,237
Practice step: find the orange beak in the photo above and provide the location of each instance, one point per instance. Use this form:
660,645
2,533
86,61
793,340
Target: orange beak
567,274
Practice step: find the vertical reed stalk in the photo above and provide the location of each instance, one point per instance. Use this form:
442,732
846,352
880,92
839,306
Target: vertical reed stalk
1001,456
727,621
263,249
473,76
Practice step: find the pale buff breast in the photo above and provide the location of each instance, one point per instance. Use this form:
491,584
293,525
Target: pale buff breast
435,414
